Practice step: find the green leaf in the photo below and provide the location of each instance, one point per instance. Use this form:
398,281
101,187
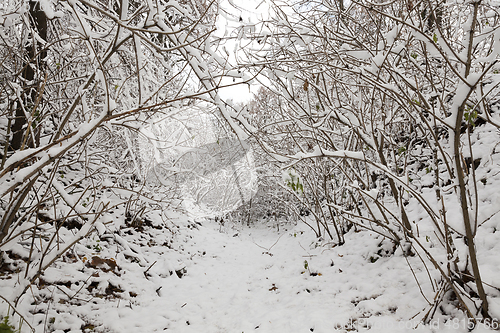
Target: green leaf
470,116
5,327
294,183
435,38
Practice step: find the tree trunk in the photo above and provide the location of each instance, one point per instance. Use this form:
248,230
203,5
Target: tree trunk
469,233
31,80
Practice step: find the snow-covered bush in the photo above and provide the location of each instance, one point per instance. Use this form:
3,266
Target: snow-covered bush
79,81
383,109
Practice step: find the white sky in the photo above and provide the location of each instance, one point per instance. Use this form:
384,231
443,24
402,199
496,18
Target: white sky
239,93
250,11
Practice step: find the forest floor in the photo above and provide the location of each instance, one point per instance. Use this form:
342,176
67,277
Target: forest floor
213,278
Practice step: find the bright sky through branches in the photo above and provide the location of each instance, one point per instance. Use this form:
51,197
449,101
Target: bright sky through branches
231,15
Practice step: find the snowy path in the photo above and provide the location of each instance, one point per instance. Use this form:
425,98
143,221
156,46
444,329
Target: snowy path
241,287
233,284
251,280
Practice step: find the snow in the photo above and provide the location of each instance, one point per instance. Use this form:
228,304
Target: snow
461,94
209,277
392,35
237,279
18,156
379,59
188,273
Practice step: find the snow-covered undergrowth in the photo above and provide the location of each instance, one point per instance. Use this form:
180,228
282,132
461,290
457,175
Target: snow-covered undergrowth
391,141
208,278
202,279
170,271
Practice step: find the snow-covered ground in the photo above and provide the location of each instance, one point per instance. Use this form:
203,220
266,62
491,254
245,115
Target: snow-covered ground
210,278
